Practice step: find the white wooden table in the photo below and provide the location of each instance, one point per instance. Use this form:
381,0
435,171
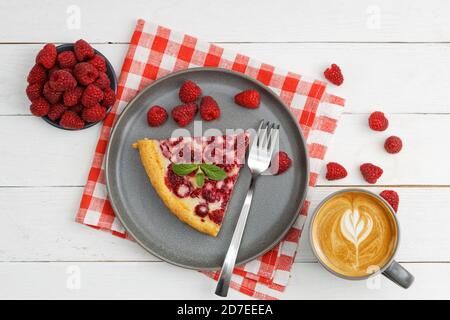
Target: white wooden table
395,56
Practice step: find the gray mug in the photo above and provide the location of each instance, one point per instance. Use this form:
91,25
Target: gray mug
392,269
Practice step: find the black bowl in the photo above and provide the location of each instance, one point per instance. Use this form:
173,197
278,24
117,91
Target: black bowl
112,78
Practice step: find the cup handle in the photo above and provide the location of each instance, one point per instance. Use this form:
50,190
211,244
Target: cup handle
399,275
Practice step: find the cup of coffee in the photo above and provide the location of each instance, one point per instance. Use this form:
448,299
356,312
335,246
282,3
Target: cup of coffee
354,234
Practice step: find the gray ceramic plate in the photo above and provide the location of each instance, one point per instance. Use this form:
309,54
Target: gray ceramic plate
276,201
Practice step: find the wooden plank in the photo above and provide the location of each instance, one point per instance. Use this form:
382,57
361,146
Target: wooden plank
38,225
147,280
37,154
255,20
400,78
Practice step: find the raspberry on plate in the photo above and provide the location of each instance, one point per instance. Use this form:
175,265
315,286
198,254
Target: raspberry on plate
209,109
184,114
66,59
47,56
62,80
281,163
156,116
51,95
391,197
248,99
70,120
34,91
335,171
83,50
39,107
189,92
72,97
98,62
109,97
85,73
377,121
93,114
371,172
393,144
102,81
334,75
56,111
37,74
92,95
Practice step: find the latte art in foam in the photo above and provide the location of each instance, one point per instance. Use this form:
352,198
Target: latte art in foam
352,232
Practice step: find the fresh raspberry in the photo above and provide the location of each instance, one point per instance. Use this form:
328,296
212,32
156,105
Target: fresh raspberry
189,92
391,197
98,62
52,96
37,75
370,172
377,121
55,68
62,80
93,114
393,144
281,162
201,210
91,96
77,108
56,111
47,56
73,96
83,50
156,116
34,91
334,75
66,59
209,109
249,99
39,107
85,73
102,81
216,216
68,70
109,97
335,171
184,114
70,120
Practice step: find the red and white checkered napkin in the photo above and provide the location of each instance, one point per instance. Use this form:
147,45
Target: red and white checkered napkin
156,51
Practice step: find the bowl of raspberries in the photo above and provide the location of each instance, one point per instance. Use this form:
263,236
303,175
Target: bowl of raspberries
71,86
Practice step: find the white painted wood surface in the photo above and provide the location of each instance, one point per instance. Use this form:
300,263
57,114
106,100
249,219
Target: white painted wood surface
394,55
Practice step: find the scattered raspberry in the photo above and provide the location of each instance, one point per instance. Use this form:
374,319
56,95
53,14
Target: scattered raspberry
216,216
34,91
377,121
391,197
91,96
335,171
102,81
201,210
370,172
66,59
209,109
56,111
70,120
62,80
184,114
77,109
93,114
47,56
85,73
52,96
248,99
39,107
156,116
37,75
73,96
281,162
393,144
189,92
98,62
83,50
334,75
109,97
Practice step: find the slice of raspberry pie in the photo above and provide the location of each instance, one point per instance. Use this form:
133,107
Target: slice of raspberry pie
195,176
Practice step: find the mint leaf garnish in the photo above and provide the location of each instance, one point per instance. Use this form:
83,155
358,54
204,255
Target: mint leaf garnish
200,178
213,172
183,169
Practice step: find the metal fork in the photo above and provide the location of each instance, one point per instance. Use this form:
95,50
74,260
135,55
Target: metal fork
258,161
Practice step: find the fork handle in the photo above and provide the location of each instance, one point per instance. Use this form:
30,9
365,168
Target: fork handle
230,259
